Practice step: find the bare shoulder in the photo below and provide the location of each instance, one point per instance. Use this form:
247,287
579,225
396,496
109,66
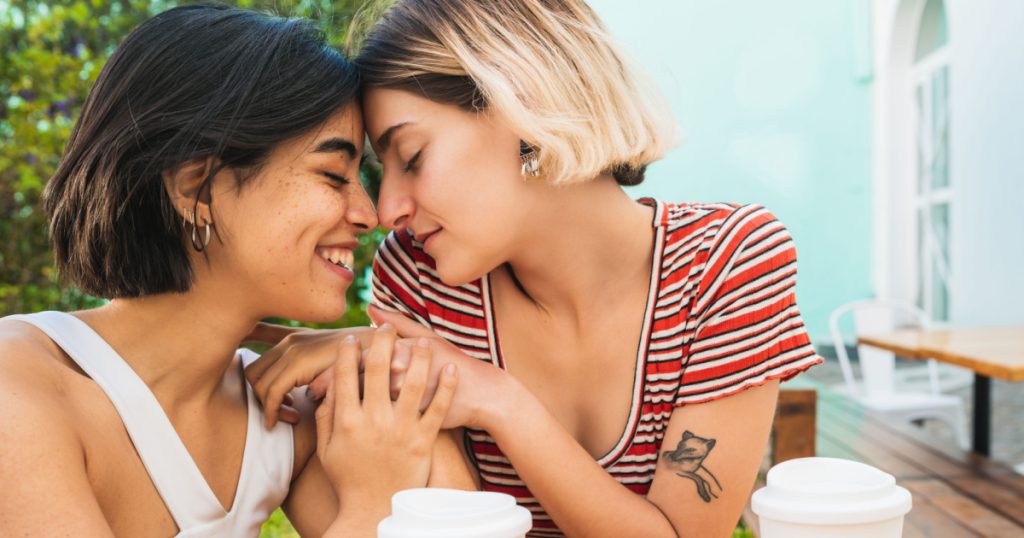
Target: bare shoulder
29,359
34,390
42,457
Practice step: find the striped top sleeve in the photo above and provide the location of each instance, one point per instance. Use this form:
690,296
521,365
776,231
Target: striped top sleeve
396,284
748,327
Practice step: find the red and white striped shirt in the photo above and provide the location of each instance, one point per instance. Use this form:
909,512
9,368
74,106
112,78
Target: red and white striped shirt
721,317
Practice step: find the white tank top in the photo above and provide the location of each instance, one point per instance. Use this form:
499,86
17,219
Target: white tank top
266,462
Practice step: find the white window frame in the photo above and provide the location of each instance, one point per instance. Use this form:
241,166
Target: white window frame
926,197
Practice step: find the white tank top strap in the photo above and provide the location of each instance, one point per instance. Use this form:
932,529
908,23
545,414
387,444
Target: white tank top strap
181,485
271,466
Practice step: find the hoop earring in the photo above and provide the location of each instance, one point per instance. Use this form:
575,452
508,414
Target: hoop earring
530,160
198,245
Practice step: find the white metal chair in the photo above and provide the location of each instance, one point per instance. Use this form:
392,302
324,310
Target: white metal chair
878,391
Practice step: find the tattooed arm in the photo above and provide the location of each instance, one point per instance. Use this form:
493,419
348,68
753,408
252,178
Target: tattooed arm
706,469
709,460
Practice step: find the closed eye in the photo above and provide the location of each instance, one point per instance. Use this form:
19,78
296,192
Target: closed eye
412,162
336,178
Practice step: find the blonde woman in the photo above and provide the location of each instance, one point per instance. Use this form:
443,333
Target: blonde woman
619,360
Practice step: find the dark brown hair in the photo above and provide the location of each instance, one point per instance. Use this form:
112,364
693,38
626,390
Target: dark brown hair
197,81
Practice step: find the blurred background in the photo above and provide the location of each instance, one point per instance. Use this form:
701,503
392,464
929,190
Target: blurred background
888,135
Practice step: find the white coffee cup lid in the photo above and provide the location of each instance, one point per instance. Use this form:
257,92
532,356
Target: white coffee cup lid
449,513
829,491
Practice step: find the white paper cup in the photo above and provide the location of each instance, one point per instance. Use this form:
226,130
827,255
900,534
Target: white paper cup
449,513
830,498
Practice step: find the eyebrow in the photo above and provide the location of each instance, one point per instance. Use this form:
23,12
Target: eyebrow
385,139
332,145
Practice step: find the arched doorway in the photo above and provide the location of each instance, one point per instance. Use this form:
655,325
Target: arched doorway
918,181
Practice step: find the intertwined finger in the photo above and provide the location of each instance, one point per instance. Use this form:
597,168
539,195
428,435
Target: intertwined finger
400,364
346,375
376,378
342,398
297,367
438,409
415,380
255,371
325,420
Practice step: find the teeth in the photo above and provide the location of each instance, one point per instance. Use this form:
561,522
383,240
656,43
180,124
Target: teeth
338,256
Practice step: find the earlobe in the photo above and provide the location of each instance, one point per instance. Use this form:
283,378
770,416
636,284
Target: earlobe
188,187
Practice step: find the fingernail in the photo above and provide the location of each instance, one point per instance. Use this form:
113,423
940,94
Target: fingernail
309,394
386,327
350,339
422,342
450,369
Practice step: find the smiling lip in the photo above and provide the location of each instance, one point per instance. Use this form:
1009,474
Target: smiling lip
348,245
341,271
351,246
424,237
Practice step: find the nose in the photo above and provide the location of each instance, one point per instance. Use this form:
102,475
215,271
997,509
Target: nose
395,204
360,211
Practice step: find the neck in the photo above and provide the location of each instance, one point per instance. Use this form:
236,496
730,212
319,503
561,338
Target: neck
583,238
180,345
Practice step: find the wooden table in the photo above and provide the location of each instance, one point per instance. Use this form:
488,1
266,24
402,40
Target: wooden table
988,351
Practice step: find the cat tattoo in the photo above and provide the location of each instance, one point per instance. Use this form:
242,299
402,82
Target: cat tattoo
687,460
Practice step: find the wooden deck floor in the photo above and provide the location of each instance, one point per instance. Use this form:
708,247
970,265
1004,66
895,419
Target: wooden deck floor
955,493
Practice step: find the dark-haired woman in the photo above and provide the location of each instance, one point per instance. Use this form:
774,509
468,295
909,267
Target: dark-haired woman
211,181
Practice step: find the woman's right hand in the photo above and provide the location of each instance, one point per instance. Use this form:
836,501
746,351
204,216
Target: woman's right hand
373,447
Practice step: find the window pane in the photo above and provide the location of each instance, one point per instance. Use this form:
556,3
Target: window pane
940,128
940,296
939,261
932,33
940,232
921,138
920,258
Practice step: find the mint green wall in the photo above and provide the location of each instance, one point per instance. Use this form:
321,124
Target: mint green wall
774,108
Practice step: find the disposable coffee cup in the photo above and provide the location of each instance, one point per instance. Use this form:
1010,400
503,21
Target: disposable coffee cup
830,498
449,513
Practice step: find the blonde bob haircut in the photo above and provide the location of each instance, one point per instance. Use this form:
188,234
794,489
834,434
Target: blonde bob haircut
546,67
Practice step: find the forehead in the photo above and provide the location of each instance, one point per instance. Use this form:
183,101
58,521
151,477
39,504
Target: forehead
386,107
346,123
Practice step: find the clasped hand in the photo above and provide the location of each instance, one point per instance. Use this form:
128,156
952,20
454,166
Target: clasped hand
309,358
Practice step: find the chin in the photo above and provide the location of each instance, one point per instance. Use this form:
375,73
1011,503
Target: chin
456,274
325,313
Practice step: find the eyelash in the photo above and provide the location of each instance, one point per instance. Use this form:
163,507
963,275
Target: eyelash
336,178
412,162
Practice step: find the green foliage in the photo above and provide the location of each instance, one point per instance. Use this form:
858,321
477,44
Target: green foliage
742,531
52,53
278,527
